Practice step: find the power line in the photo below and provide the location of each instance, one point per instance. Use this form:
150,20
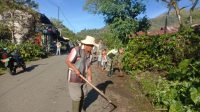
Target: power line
59,9
53,3
68,20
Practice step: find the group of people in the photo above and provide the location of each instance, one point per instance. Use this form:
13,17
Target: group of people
79,63
110,60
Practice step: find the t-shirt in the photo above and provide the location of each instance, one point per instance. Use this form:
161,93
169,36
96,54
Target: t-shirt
58,44
112,53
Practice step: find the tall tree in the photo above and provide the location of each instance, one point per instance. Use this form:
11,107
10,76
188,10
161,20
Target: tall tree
144,24
174,4
121,15
194,4
166,18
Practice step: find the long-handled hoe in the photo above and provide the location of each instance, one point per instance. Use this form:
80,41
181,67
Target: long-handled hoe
100,92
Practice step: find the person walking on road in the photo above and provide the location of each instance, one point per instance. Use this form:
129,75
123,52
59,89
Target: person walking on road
79,63
58,46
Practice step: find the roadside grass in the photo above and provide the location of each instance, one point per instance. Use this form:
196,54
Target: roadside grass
2,71
141,84
147,83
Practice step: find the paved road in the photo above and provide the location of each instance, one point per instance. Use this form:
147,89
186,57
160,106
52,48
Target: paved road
41,89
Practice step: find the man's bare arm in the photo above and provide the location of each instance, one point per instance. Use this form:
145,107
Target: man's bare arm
89,73
70,65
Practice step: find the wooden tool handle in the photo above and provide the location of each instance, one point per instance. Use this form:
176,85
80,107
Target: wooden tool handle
100,92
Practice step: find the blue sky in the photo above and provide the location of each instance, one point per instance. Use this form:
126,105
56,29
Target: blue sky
76,19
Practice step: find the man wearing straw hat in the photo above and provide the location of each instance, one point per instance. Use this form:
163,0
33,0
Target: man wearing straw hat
79,63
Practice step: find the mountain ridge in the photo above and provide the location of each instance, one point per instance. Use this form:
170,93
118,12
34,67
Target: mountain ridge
159,21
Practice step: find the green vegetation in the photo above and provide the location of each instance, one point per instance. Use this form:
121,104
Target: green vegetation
2,71
65,32
169,63
120,16
5,34
28,50
103,34
97,33
167,66
176,56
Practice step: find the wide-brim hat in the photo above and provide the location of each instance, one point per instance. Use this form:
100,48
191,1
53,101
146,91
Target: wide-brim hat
89,40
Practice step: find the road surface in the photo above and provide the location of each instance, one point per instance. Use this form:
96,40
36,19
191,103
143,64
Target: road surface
43,88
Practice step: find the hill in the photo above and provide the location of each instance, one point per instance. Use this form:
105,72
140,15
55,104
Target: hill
159,21
156,23
98,33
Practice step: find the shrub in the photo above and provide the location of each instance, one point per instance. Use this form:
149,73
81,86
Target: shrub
179,56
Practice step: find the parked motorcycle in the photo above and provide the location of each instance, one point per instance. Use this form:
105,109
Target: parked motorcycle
13,61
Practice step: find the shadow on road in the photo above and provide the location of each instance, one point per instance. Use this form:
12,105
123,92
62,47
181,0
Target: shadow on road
93,94
30,68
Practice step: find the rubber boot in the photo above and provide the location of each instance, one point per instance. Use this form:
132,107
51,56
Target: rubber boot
82,107
75,106
109,73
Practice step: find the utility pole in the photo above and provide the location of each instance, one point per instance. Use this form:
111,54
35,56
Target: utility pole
58,12
59,29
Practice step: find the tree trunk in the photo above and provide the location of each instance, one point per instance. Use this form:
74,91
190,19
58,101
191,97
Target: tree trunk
166,20
178,14
173,3
191,17
179,17
192,9
146,32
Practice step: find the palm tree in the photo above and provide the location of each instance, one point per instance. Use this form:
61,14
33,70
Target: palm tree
174,4
166,19
194,3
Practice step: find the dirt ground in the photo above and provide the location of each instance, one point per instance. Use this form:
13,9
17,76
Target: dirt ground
122,91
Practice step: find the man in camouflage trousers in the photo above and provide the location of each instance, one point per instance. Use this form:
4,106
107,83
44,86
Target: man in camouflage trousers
117,62
114,58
